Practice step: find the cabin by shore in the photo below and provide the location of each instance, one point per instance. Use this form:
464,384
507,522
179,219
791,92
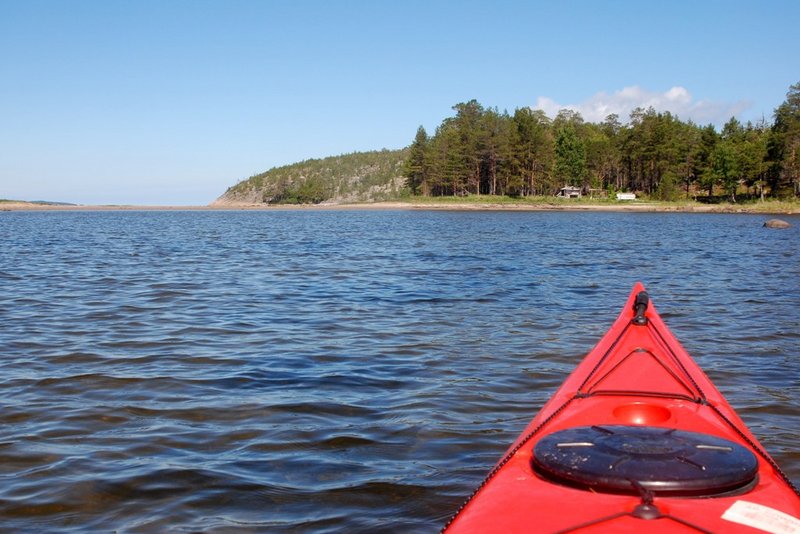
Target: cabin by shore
569,192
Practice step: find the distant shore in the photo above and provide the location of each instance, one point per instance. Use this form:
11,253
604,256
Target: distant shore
769,207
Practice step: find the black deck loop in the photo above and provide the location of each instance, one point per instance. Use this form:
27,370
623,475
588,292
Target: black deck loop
640,307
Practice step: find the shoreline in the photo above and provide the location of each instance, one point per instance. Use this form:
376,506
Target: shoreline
643,207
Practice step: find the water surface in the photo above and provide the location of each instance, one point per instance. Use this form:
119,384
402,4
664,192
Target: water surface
343,371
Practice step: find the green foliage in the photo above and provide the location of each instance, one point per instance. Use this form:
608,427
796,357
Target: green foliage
482,151
310,191
724,167
416,167
752,154
359,176
667,188
784,145
532,150
570,157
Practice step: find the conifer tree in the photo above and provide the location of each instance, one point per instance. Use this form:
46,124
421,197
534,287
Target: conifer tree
785,144
417,165
570,157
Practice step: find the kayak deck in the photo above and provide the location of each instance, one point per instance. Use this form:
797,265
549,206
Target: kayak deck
636,437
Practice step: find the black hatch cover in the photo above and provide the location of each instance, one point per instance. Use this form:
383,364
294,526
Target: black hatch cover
620,458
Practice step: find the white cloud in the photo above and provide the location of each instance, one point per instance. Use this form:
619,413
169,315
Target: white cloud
676,100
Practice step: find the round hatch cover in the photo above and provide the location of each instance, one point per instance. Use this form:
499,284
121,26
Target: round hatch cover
618,458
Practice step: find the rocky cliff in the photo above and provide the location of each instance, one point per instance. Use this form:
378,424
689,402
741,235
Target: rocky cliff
356,177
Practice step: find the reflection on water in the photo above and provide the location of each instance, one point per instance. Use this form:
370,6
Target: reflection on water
343,371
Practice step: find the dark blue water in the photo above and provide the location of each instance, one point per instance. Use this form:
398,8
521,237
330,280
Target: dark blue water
343,371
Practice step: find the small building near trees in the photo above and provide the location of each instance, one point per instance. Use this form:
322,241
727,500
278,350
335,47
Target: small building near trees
569,192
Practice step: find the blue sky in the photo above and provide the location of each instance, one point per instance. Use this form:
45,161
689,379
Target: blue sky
170,102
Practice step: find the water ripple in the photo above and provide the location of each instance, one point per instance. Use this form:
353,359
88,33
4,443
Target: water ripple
343,371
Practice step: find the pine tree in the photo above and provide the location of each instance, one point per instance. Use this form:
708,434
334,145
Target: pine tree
570,157
532,152
785,144
417,166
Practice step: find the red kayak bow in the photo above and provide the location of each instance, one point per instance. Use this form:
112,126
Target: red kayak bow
637,438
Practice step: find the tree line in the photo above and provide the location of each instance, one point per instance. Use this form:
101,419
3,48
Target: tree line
484,151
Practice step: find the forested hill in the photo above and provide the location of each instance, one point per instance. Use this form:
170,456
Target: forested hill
356,177
482,151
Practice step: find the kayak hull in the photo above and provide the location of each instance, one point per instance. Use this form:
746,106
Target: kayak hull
637,376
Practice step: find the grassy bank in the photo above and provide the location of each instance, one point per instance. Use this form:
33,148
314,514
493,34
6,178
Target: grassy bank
470,202
542,202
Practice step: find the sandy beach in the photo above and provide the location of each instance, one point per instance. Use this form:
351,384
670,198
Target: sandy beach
766,208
